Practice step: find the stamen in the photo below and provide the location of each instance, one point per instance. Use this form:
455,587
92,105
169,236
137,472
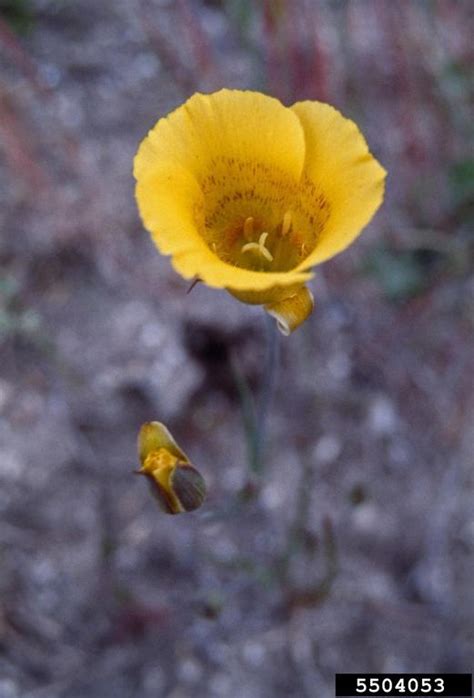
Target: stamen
286,225
248,228
259,247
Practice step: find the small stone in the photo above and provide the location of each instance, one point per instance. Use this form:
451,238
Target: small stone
327,449
190,670
382,416
254,653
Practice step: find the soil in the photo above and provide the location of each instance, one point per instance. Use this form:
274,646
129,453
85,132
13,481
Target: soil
352,551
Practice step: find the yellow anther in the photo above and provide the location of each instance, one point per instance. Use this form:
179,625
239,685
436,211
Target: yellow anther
248,228
286,225
259,247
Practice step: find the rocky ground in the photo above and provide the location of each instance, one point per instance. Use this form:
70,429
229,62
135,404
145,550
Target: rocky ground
353,549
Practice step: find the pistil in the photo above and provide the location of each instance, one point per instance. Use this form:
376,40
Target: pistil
258,246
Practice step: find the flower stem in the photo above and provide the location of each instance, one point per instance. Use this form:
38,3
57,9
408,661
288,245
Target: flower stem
255,411
249,418
268,388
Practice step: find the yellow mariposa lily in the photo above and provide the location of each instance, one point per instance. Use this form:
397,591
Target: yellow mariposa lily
248,195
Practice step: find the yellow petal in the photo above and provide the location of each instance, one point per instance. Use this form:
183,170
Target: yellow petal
347,180
218,274
209,130
154,436
291,312
171,207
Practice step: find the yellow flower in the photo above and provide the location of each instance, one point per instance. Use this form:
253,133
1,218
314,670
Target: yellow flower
176,484
249,195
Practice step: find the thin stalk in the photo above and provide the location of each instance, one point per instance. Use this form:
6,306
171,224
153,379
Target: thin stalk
255,412
249,417
268,389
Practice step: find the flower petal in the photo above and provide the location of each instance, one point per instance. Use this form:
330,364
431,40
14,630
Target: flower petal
218,274
171,205
237,124
152,437
291,312
340,168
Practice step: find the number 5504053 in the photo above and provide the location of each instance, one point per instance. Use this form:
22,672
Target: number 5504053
402,686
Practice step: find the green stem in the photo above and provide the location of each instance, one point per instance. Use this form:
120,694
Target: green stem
254,414
268,388
249,419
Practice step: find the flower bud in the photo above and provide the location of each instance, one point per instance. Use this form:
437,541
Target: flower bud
174,481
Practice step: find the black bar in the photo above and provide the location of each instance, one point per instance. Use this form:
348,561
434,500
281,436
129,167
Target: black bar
408,685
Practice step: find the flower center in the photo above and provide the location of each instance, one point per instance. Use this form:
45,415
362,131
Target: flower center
251,244
257,218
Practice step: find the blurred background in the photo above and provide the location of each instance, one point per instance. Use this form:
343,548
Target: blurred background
353,549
